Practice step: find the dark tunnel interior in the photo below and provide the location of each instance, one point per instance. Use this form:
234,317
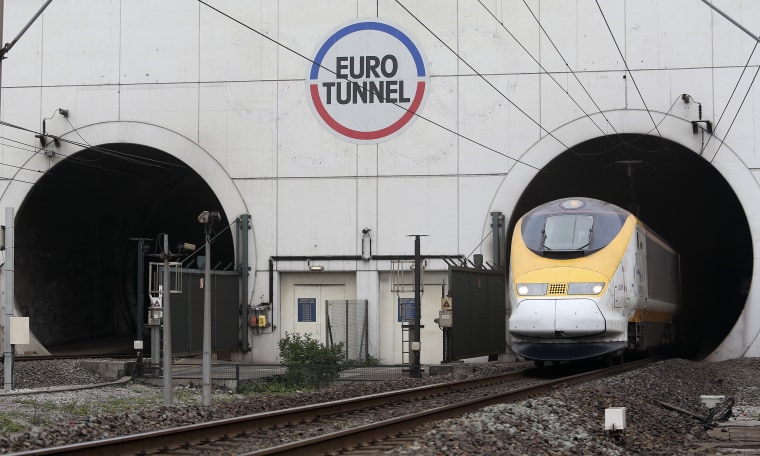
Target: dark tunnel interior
682,197
76,262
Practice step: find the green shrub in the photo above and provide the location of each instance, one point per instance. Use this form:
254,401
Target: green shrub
309,362
7,424
298,348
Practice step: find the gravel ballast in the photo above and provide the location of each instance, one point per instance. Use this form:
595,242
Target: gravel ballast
568,421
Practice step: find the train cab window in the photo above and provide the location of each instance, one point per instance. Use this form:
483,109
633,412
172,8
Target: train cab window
568,232
571,232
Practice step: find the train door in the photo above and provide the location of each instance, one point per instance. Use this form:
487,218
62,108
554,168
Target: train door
640,274
309,308
619,288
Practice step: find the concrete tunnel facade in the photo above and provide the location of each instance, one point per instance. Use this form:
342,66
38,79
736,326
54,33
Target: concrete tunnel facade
507,121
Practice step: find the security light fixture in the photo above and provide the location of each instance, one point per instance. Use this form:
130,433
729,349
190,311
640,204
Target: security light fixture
207,217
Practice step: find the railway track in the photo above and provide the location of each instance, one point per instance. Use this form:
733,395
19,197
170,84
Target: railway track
344,425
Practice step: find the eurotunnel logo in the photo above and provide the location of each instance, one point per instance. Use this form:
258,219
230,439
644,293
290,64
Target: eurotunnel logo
367,82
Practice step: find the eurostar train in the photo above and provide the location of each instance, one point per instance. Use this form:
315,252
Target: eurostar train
589,280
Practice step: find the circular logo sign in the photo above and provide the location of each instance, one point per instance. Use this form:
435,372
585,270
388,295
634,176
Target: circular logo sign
367,82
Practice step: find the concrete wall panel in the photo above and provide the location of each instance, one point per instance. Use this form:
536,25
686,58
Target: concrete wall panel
231,103
316,216
160,42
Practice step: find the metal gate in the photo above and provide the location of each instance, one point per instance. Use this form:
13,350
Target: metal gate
479,312
347,323
187,313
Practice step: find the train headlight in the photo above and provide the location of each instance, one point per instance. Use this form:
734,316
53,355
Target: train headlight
585,288
531,289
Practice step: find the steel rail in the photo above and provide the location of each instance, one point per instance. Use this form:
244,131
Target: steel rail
351,438
179,436
167,439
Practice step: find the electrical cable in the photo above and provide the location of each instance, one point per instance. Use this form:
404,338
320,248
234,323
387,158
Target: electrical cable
144,161
416,114
629,143
211,241
749,89
72,158
567,65
616,146
131,158
480,243
725,108
627,69
537,123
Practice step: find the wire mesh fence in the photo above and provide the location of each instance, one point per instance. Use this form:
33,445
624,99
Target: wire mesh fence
347,324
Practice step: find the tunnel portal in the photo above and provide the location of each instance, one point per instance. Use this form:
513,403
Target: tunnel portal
682,197
76,260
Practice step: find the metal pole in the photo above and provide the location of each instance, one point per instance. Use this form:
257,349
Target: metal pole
496,219
244,221
8,46
206,374
416,371
7,354
741,27
140,292
9,292
140,272
165,294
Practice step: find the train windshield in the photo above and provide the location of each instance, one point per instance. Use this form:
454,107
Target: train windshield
568,232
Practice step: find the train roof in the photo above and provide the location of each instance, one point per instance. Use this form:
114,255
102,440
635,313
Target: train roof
608,220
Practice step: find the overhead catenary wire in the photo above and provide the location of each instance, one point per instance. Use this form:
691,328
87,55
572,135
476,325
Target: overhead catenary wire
567,92
127,157
70,158
521,110
211,241
749,89
479,244
627,69
736,86
416,114
630,143
733,92
131,158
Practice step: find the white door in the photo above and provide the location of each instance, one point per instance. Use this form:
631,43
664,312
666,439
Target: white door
309,308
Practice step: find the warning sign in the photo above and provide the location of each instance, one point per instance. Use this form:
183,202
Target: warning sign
446,303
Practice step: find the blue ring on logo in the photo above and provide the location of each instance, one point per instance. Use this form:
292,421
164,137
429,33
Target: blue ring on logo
379,26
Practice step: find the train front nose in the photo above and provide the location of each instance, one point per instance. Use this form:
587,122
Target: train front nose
557,318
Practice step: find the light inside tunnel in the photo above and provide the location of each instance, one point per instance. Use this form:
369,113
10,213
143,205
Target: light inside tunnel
682,197
75,263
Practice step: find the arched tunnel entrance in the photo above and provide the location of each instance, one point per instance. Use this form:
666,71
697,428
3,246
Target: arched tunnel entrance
76,265
683,198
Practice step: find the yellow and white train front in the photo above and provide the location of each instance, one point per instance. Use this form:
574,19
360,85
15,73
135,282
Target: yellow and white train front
567,281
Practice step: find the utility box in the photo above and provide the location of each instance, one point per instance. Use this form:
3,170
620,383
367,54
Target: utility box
19,330
712,401
614,419
445,319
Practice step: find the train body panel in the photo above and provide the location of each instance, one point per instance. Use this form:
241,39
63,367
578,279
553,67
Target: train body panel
582,284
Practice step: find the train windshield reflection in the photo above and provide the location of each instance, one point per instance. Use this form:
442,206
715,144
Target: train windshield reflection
568,232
